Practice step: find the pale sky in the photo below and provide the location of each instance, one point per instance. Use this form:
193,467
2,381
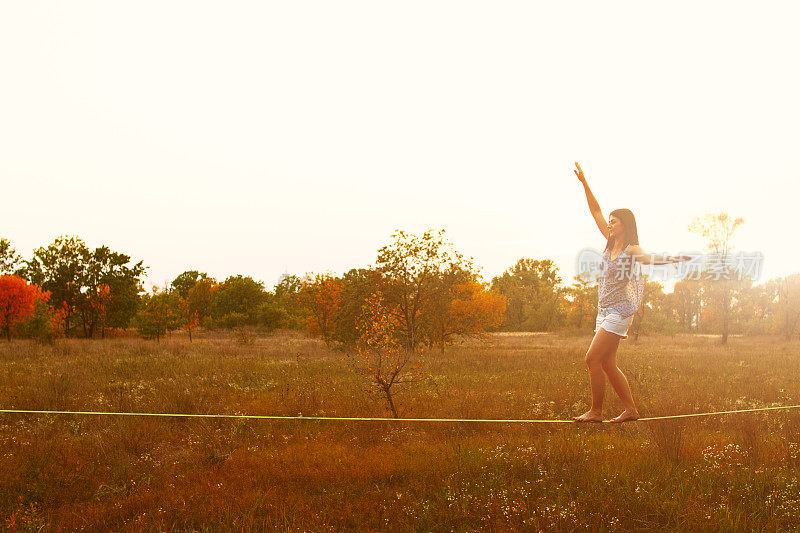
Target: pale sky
269,137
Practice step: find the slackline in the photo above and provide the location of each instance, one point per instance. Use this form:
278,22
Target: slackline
373,419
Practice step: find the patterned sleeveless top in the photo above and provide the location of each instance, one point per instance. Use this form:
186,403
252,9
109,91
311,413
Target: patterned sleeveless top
620,285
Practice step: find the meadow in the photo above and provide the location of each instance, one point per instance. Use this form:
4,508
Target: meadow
116,473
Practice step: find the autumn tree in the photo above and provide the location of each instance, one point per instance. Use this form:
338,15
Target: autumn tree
410,268
200,296
186,281
581,302
159,315
718,230
460,306
17,301
380,354
188,317
321,295
44,325
534,295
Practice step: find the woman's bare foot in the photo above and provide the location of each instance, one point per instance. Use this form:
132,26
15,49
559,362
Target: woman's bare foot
589,416
626,416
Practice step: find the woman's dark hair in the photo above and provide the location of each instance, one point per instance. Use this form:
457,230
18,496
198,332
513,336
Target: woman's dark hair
629,223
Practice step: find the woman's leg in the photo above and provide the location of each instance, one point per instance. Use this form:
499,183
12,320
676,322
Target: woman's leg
603,345
621,386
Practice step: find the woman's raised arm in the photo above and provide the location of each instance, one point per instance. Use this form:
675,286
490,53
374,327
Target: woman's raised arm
594,207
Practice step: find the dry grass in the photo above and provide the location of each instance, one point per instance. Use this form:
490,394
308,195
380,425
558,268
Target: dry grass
64,472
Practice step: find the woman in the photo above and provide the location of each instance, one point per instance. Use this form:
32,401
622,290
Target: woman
620,289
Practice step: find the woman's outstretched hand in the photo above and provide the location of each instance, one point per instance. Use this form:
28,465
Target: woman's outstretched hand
579,173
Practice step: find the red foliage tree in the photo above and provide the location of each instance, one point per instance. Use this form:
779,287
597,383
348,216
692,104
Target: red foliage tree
322,297
17,301
190,318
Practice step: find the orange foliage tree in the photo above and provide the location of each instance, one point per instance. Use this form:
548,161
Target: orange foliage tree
464,309
189,317
200,297
322,297
380,354
17,301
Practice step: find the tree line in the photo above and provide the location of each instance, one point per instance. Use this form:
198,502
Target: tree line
431,292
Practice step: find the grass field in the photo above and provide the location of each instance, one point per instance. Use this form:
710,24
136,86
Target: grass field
721,473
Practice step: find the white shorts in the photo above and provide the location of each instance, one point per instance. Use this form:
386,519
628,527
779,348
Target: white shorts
612,321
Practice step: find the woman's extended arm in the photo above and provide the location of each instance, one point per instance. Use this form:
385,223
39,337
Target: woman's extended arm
638,254
594,207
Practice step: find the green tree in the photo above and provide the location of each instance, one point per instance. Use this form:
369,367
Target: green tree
77,276
159,315
10,261
237,302
535,299
286,297
186,281
357,286
411,268
60,269
109,270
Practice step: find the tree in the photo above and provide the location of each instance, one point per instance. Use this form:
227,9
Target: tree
321,295
74,274
655,314
59,269
686,300
186,281
535,298
754,311
286,297
200,296
237,301
17,301
581,302
44,325
123,300
380,354
461,306
160,314
410,267
188,317
105,269
357,286
718,229
10,261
